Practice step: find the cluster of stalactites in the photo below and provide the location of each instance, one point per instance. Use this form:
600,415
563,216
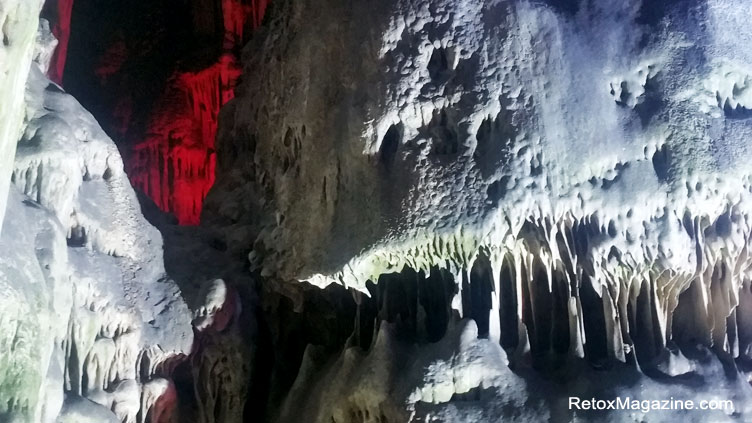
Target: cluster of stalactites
549,292
237,15
208,90
176,177
175,165
104,361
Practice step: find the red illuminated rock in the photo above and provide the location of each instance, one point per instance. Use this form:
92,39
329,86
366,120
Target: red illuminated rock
174,164
61,28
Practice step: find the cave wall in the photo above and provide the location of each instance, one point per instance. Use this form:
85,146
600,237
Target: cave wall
453,129
91,323
571,176
18,24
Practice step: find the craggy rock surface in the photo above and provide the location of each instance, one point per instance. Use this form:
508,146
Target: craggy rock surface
573,176
373,133
451,211
90,320
18,27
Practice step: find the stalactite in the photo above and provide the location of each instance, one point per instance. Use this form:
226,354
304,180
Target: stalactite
237,16
554,297
508,307
208,90
481,290
60,12
175,164
102,353
258,10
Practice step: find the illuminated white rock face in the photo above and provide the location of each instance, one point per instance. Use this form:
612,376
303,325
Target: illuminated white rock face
87,313
18,26
574,176
462,121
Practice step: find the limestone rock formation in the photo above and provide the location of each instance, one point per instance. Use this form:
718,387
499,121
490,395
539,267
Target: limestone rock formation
90,320
18,26
573,176
464,121
424,211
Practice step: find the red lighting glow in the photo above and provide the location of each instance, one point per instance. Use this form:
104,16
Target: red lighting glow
174,165
174,162
61,11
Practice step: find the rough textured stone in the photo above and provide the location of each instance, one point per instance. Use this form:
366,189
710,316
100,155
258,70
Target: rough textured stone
18,26
449,125
573,176
87,309
506,203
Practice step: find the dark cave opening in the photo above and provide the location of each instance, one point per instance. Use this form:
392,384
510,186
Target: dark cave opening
596,337
480,288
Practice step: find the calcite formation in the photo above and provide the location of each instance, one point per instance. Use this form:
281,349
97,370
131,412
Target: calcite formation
424,210
18,27
90,319
174,162
159,100
573,176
